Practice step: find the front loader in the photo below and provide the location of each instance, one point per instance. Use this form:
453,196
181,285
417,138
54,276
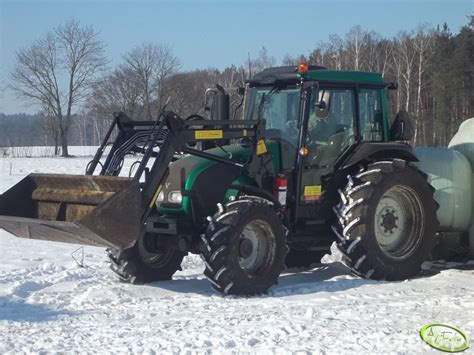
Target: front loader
313,161
108,210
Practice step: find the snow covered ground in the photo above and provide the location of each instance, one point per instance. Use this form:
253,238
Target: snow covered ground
50,304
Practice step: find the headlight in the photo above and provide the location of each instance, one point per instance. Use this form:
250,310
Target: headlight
161,197
175,197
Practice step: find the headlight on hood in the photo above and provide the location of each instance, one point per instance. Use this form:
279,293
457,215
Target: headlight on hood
175,197
161,197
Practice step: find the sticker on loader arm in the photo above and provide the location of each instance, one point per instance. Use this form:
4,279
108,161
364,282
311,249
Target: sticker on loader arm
261,147
312,193
209,134
155,196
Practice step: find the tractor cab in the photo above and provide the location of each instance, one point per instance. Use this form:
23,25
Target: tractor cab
319,118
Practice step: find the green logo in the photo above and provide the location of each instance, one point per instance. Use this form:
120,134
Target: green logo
444,337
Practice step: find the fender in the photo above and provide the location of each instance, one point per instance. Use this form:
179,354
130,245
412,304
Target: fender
377,151
211,186
257,191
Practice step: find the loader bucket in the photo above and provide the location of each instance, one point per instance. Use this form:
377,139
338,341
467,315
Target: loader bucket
88,210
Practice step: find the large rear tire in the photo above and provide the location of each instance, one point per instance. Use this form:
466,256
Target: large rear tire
145,262
386,220
244,247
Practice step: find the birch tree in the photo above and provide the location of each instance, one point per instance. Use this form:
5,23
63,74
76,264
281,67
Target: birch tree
355,46
423,45
336,48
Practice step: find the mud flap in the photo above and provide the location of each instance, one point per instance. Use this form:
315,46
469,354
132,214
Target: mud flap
88,210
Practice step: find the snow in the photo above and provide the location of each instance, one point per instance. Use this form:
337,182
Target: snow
48,303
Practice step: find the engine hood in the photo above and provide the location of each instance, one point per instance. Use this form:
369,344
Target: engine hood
216,175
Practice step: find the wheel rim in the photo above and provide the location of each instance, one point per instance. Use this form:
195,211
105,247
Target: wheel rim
399,221
152,254
256,248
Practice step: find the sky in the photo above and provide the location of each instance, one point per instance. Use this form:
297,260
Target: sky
214,33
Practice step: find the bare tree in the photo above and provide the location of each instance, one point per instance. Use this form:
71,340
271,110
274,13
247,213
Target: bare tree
57,71
263,60
117,91
424,46
355,45
186,90
229,77
319,54
383,54
397,67
288,59
150,64
336,51
407,56
50,126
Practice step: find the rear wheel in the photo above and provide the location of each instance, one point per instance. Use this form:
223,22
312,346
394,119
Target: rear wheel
244,248
147,261
386,220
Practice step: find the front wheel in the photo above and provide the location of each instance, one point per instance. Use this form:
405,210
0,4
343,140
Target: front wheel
386,220
147,261
244,247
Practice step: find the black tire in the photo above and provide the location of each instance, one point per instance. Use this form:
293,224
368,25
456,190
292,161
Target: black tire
139,265
228,256
377,239
304,258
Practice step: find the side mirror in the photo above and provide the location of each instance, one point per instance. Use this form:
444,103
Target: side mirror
401,129
321,105
217,102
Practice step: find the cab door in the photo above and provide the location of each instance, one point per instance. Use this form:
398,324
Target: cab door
328,130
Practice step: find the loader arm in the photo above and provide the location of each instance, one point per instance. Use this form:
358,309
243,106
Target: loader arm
107,210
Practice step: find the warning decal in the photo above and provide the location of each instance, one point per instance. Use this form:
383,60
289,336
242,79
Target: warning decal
209,134
312,193
261,147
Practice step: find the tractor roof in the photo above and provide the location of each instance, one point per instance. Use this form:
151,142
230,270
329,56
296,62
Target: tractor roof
290,74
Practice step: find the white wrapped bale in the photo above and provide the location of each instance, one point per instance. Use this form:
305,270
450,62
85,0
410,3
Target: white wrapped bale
449,172
463,142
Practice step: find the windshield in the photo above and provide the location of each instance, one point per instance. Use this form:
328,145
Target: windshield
280,110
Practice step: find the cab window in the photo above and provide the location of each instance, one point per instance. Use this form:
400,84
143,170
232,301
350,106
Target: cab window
279,108
370,112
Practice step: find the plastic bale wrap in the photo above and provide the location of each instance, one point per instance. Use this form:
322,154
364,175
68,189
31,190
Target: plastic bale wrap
463,142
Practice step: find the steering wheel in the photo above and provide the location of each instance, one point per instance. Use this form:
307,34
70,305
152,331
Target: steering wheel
275,133
195,117
316,143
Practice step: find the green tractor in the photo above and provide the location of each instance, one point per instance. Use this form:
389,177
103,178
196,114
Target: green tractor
313,161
